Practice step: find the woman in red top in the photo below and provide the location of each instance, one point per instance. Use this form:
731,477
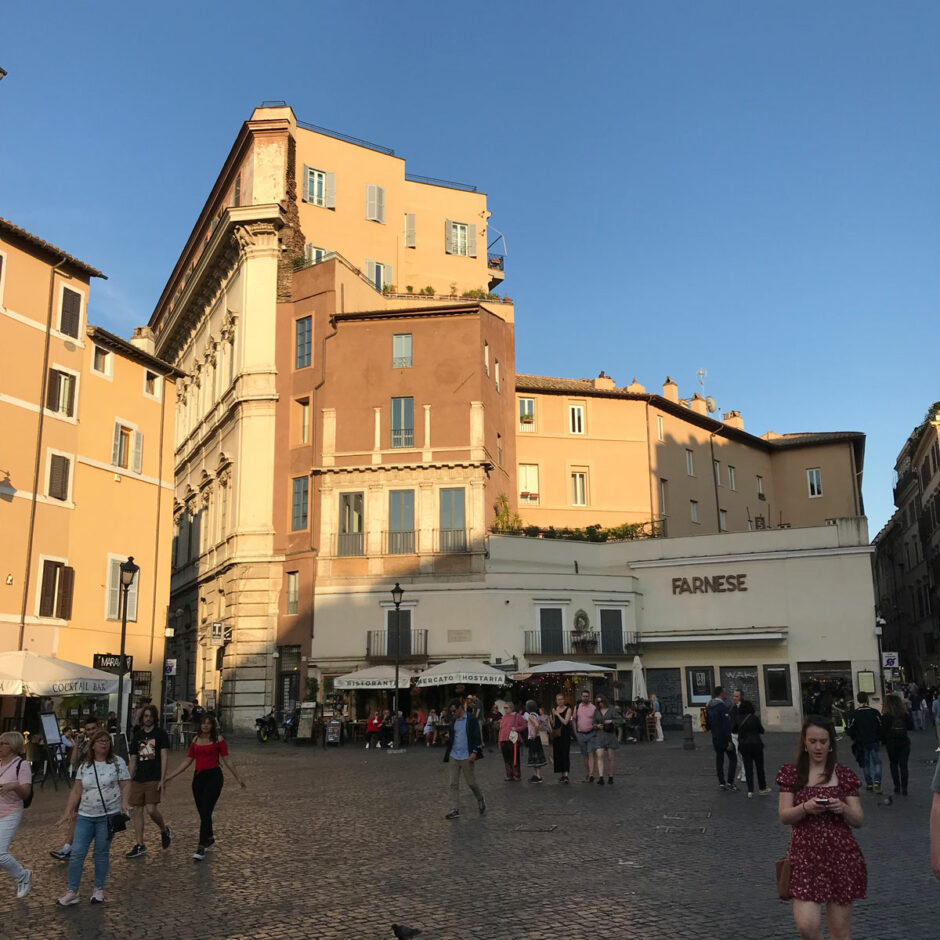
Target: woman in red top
207,750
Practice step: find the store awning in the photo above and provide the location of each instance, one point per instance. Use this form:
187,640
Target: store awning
26,673
776,634
461,672
564,666
377,677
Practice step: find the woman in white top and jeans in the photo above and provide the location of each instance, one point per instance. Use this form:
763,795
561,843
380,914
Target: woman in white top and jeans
100,790
16,779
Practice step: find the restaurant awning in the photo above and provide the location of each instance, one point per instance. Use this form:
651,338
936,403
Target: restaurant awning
26,673
461,672
376,677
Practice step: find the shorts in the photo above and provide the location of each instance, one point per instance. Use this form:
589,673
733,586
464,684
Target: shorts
585,741
147,792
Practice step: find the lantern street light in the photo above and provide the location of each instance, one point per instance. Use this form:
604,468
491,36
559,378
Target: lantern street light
397,595
128,573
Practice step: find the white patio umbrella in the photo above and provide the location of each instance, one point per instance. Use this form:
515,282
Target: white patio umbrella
639,679
378,677
564,665
461,672
26,673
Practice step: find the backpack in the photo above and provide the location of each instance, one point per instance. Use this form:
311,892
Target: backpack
27,800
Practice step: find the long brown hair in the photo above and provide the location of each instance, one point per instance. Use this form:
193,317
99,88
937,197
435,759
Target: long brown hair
90,753
213,730
801,761
893,706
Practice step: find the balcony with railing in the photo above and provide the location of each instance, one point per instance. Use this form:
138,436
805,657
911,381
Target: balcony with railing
350,543
496,266
451,541
551,644
400,543
403,437
380,646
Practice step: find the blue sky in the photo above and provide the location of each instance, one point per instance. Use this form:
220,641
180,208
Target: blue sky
749,188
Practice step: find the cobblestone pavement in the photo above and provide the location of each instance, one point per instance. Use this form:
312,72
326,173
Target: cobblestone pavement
338,844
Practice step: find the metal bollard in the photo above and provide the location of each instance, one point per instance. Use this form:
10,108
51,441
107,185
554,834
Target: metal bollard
688,741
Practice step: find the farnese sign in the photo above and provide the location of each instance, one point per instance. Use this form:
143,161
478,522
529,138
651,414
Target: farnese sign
716,584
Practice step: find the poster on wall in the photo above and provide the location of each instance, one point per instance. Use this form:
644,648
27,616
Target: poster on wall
700,681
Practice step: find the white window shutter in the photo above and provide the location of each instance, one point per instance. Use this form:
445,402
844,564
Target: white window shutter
450,240
132,599
329,193
116,446
306,184
380,204
114,590
308,252
388,274
472,241
370,201
370,272
410,238
138,452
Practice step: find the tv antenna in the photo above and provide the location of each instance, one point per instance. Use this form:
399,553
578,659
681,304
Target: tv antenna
710,402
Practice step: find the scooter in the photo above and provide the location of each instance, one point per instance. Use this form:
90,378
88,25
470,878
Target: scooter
291,720
266,727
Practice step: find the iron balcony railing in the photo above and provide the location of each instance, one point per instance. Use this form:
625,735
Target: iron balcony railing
401,362
401,543
403,437
350,543
495,262
380,645
588,643
452,540
433,181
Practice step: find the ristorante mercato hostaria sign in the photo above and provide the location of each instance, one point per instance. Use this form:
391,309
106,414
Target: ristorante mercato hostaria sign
716,584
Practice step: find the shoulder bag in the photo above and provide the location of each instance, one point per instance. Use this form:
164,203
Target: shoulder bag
782,872
117,822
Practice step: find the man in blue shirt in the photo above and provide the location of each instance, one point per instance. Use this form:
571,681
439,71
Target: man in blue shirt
718,718
464,747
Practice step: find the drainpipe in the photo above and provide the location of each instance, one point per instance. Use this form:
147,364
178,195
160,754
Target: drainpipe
649,453
38,458
711,444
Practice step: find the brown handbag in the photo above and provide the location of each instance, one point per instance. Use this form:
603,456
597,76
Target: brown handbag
782,871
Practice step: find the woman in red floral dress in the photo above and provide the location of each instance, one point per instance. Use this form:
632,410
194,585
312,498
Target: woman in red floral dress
819,799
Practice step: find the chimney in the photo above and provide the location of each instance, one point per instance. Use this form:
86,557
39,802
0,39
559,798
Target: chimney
604,381
733,419
143,339
635,388
698,404
670,390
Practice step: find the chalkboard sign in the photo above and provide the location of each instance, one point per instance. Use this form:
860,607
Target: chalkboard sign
305,722
743,678
667,686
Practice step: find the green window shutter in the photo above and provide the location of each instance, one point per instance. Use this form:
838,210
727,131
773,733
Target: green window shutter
52,390
47,590
63,603
329,191
71,313
116,446
138,461
59,477
450,239
410,237
472,241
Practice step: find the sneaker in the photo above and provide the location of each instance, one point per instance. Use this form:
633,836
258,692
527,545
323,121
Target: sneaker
208,845
750,794
97,896
453,814
70,897
24,884
565,779
732,788
610,781
136,852
165,837
766,791
722,786
62,854
868,787
878,788
481,802
200,853
600,781
590,779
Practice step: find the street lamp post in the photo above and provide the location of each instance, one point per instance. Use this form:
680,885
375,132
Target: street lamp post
880,624
128,573
397,594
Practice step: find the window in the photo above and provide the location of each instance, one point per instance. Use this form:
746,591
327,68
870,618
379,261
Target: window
375,203
529,484
319,188
59,470
551,631
717,465
379,274
401,522
351,524
223,509
579,488
690,463
299,498
115,599
303,336
496,374
814,482
576,419
71,314
526,414
411,240
460,239
660,433
777,685
486,357
731,485
313,254
453,531
304,420
722,520
151,384
56,589
401,351
663,494
760,485
293,591
499,450
403,422
237,191
612,638
127,448
101,361
60,392
693,510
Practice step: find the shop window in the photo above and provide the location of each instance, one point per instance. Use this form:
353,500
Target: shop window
777,689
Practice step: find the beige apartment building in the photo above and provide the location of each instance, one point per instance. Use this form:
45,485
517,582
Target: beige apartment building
907,557
592,453
85,469
284,417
